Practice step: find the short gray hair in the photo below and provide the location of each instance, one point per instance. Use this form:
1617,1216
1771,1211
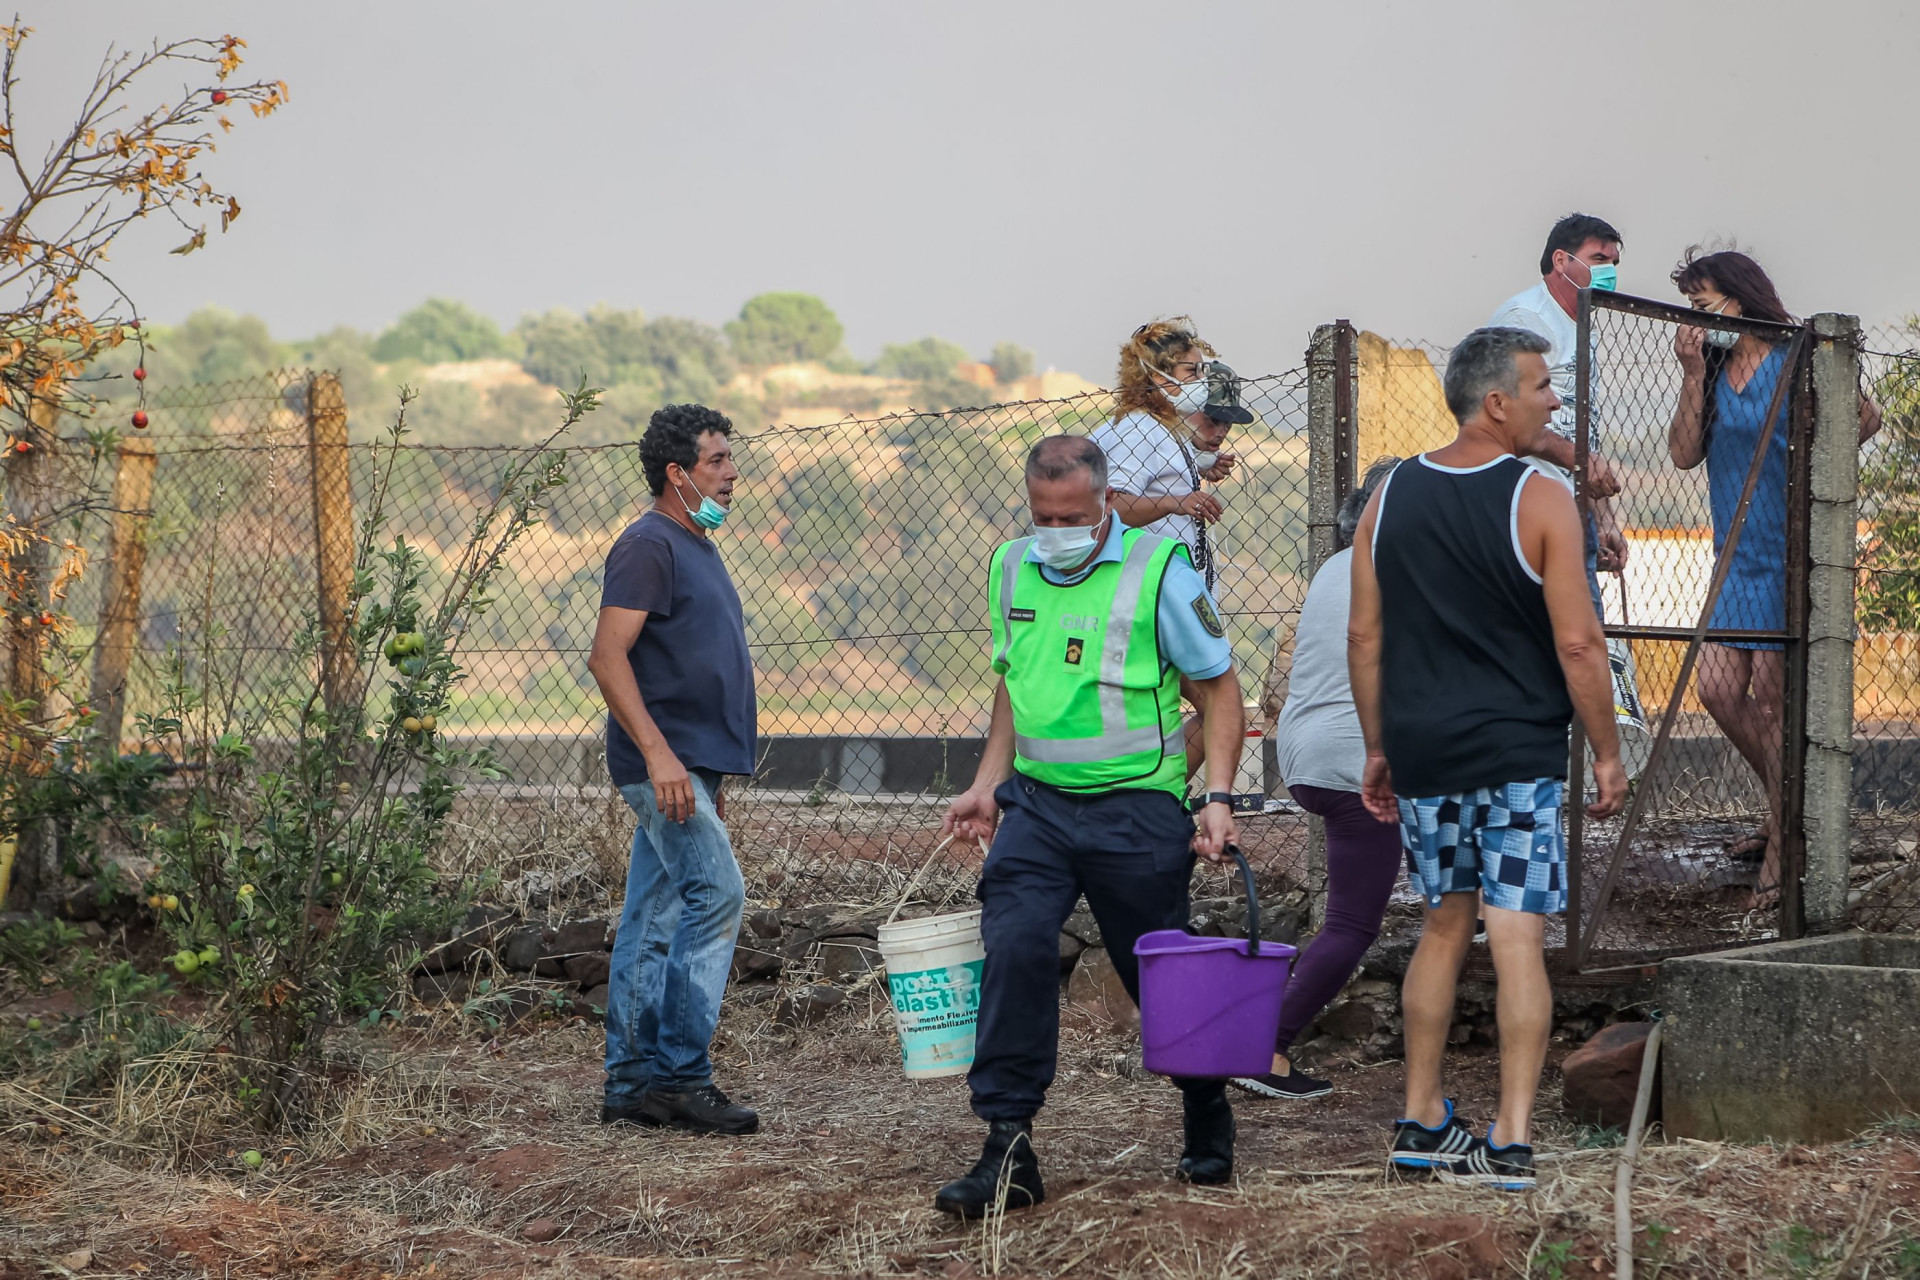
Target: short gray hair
1483,362
1355,506
1057,457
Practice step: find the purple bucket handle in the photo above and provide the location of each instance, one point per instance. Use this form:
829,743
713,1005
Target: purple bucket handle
1253,902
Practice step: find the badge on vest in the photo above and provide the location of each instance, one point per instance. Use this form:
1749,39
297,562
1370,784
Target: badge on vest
1203,609
1019,615
1075,647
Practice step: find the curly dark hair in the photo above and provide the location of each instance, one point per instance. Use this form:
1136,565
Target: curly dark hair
673,435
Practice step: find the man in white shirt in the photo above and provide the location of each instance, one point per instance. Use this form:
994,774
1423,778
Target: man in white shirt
1582,252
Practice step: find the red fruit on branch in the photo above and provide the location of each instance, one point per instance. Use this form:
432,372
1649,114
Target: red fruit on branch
46,619
139,419
133,324
219,96
140,374
21,446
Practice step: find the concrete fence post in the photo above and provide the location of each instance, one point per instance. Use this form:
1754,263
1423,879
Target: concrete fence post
1331,432
120,598
1834,494
332,536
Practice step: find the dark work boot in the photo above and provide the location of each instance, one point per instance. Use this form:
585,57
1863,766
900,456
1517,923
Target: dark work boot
1207,1159
632,1113
1007,1160
701,1110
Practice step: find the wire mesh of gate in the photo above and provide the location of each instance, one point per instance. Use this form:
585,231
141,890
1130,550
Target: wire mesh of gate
1886,804
859,550
1675,420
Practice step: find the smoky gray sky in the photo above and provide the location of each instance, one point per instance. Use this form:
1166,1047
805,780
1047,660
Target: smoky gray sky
1049,173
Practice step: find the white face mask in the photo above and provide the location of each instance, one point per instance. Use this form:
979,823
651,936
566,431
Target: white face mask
1203,462
1065,548
1187,397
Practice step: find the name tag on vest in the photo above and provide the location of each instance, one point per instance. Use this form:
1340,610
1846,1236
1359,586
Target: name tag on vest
1019,615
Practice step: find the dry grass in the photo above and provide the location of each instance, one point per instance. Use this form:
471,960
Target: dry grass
448,1147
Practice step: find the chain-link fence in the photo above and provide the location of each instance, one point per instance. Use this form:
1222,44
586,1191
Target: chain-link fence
1674,423
1885,892
859,549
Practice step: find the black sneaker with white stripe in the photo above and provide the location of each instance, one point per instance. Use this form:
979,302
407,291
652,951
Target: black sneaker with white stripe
1295,1084
1417,1148
1508,1168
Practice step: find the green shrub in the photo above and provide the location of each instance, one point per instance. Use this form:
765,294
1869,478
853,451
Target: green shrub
293,873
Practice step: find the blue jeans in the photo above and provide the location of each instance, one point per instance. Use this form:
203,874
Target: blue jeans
674,948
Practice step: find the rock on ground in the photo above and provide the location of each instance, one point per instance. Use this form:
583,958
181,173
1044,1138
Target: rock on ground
1096,990
1601,1077
588,971
810,1004
755,957
522,949
846,958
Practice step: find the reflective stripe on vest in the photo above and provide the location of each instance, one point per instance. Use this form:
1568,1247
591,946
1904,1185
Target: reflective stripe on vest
1010,559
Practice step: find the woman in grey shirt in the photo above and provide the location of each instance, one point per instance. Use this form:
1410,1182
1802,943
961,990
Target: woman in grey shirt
1321,754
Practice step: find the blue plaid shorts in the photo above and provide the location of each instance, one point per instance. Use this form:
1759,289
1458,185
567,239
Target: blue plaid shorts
1503,841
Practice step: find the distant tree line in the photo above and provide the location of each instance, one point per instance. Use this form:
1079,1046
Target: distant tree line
643,363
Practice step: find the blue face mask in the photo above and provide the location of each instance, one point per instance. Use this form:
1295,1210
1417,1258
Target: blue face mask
1605,277
709,515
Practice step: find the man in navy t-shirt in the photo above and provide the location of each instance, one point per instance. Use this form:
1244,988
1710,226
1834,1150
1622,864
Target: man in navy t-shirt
670,656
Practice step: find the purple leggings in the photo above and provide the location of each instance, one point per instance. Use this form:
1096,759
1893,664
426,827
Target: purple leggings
1363,861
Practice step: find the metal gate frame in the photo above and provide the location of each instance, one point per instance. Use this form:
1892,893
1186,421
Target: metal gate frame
1579,945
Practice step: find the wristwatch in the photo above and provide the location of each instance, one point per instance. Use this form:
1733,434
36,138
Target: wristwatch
1215,797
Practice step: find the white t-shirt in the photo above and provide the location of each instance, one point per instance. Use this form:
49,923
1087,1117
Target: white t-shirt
1147,461
1537,311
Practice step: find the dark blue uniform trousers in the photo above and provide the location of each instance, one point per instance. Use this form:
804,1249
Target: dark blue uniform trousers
1129,852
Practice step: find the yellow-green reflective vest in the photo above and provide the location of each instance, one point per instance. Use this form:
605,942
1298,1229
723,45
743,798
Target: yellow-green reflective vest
1095,708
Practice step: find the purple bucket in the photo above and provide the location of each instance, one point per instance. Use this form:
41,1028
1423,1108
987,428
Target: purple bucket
1211,1006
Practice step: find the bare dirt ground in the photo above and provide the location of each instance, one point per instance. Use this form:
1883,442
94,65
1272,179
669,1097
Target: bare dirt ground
459,1151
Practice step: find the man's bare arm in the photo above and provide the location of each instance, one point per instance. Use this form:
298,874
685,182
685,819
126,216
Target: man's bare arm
1363,631
974,813
1555,545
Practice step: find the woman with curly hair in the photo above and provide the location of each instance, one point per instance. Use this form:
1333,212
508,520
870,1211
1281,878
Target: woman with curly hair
1729,380
1154,467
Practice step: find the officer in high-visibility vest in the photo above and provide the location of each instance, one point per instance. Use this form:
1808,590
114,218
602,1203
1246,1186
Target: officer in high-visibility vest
1084,773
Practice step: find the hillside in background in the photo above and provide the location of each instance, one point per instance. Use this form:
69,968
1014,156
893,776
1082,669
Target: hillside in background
780,361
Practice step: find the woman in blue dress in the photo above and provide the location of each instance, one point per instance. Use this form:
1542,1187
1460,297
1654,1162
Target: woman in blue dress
1730,381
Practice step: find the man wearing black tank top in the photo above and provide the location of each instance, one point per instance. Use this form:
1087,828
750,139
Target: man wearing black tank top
1471,642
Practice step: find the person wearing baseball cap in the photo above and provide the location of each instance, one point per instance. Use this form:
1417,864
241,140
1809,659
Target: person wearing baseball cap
1222,412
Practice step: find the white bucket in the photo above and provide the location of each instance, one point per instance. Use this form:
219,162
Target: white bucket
933,975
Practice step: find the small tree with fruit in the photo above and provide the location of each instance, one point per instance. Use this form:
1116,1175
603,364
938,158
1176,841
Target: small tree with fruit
73,194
